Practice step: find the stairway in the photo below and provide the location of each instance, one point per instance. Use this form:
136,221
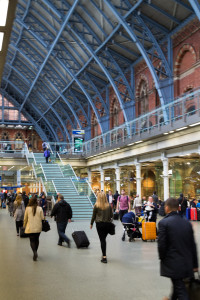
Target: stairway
62,181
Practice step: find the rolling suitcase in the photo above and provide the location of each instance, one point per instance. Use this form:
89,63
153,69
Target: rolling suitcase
148,231
188,212
3,205
198,214
80,239
193,214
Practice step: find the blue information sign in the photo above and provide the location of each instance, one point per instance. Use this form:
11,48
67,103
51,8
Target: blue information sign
77,132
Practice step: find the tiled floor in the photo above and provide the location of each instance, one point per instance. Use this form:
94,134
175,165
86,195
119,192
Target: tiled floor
60,273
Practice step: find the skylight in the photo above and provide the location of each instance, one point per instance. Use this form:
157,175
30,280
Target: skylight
3,11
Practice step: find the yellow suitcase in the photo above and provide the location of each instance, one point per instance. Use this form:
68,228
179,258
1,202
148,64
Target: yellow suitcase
148,231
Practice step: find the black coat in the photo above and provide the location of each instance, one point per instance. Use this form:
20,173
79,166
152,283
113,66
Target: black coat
62,211
183,202
176,247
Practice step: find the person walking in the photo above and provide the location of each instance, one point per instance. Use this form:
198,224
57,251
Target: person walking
182,204
63,213
18,211
43,203
110,198
33,224
25,199
44,146
177,249
116,195
102,215
123,204
137,205
155,198
47,155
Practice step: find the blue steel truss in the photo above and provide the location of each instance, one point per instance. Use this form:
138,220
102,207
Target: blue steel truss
63,59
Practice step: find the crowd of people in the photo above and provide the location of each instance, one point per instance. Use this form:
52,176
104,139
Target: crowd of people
176,244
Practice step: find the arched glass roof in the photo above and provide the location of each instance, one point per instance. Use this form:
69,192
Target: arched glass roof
64,56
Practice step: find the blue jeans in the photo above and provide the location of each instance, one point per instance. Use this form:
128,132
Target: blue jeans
61,232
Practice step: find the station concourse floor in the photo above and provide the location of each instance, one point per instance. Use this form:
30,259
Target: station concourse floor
61,273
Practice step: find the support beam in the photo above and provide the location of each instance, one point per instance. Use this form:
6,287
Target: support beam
70,12
196,7
142,50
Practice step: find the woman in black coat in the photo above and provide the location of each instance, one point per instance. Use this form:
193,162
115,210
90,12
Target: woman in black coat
177,249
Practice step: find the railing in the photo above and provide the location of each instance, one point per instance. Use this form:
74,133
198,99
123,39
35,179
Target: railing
82,186
8,148
50,188
68,171
182,112
84,189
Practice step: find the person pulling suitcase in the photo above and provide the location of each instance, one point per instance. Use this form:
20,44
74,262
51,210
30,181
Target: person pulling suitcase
63,213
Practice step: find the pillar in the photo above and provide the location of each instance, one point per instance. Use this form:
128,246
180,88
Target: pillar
90,177
117,173
39,187
102,179
138,179
166,178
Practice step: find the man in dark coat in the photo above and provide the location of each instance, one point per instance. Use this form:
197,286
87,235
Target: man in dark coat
183,204
177,249
155,198
63,213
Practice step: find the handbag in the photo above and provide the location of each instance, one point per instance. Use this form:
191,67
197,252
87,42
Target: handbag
111,229
193,287
22,233
45,226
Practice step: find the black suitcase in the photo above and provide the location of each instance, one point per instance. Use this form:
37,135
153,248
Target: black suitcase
80,239
116,216
198,214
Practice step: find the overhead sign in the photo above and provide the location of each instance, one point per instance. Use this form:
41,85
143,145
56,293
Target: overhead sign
77,131
78,144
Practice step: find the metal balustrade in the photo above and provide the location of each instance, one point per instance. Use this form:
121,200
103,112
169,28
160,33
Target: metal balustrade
182,112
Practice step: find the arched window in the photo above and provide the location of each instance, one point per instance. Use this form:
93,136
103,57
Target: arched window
115,116
143,105
5,136
18,140
95,125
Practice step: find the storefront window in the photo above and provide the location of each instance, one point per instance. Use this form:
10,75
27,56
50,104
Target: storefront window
128,179
109,180
185,177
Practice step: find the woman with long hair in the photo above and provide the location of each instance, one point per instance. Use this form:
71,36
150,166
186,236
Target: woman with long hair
33,224
102,215
18,211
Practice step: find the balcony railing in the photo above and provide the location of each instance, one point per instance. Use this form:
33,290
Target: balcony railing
181,113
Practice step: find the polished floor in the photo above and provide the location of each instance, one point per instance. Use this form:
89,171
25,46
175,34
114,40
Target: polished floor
61,273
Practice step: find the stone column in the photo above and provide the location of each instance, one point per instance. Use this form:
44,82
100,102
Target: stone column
138,179
165,178
90,177
117,173
102,179
39,187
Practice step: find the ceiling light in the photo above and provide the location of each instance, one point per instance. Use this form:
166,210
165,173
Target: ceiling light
182,128
131,144
172,131
3,12
195,124
165,133
138,142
